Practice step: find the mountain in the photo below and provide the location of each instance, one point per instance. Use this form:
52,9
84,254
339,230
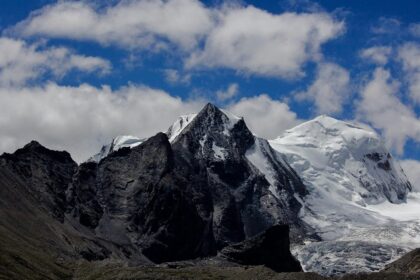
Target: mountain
209,193
151,202
349,174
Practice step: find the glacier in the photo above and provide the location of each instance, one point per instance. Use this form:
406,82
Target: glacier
358,197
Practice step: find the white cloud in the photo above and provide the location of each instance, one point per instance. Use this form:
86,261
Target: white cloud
229,93
243,38
254,41
409,55
174,76
264,116
377,54
330,90
20,62
380,106
81,119
129,24
412,170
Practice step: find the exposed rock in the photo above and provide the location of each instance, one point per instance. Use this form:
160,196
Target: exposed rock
46,174
270,248
410,262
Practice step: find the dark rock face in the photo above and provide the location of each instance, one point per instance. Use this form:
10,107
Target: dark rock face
270,248
214,147
144,200
46,173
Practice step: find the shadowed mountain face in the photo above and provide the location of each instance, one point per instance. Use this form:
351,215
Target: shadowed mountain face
154,203
184,199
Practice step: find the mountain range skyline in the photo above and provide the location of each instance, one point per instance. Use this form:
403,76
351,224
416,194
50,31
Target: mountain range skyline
84,71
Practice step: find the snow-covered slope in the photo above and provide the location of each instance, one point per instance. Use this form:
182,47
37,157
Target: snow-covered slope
349,175
179,125
123,141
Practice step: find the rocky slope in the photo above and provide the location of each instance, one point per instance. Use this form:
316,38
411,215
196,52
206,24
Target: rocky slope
410,262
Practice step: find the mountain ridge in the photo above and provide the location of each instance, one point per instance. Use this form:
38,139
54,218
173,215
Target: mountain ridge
212,182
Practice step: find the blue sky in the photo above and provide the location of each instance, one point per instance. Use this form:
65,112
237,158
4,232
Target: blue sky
73,74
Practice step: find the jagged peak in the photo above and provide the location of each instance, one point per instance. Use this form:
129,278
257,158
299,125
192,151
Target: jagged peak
34,147
33,144
210,108
210,115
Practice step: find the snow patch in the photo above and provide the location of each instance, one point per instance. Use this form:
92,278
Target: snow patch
219,152
119,142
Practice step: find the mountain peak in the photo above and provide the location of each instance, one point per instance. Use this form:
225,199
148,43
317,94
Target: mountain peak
33,144
35,148
209,106
208,120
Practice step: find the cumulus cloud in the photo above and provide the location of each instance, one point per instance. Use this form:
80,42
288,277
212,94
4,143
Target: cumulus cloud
254,41
330,89
81,119
409,55
229,93
377,54
243,38
129,24
380,106
412,170
265,116
20,62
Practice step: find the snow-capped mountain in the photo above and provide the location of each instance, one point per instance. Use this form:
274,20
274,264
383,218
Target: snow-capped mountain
235,164
334,182
342,164
349,175
206,184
